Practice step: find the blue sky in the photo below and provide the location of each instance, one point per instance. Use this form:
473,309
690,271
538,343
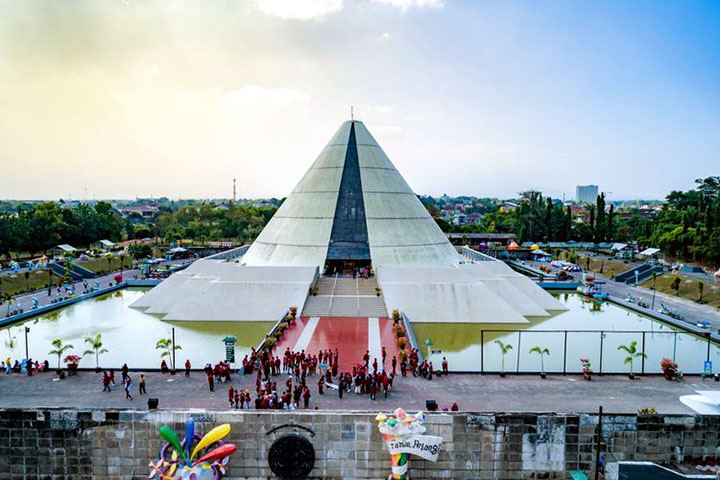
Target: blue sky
466,97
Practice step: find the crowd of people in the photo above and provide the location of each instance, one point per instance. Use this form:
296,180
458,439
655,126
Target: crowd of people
25,367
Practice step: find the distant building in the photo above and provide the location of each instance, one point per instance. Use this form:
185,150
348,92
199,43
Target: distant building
586,193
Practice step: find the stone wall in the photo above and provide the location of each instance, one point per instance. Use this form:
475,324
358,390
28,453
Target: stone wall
62,444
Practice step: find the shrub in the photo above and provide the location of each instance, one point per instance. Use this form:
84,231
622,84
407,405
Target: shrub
647,411
270,342
403,355
402,343
400,332
396,315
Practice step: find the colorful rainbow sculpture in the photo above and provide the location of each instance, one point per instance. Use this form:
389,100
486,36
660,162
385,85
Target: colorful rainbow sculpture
175,460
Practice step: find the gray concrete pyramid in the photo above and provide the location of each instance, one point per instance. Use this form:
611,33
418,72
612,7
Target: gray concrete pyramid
352,204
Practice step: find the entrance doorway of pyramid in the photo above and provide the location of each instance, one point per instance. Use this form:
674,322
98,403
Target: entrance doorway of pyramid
345,266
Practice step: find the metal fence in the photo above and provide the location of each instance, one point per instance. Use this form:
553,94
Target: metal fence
567,347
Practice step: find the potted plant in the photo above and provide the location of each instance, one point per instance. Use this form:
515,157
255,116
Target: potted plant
71,362
633,353
542,351
669,368
59,349
314,290
96,347
378,291
167,346
504,349
396,316
587,371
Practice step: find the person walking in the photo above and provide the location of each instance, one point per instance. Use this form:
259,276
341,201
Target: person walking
187,367
106,382
124,371
444,366
211,382
306,397
128,385
141,385
231,395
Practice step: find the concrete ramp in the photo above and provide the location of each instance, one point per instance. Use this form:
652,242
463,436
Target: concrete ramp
226,291
485,292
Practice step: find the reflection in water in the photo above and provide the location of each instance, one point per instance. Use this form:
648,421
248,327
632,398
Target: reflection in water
461,343
129,334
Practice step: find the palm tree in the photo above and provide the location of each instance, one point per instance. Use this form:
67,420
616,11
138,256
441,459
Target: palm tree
504,348
59,349
166,344
633,353
701,287
542,351
27,280
7,297
96,347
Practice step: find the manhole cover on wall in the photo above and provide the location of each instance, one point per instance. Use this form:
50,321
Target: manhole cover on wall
291,456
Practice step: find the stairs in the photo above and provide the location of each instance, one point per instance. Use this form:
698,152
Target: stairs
345,297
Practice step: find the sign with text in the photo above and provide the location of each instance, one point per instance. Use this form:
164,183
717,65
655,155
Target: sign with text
424,446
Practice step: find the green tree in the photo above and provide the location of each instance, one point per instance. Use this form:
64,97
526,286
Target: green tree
58,349
167,347
675,284
96,348
542,351
701,287
504,349
8,298
633,353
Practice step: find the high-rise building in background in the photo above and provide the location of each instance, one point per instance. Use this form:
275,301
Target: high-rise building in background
586,193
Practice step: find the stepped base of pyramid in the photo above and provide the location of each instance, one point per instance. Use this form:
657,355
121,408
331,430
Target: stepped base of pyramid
352,336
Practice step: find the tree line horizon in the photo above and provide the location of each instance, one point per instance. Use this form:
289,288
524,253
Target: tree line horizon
687,226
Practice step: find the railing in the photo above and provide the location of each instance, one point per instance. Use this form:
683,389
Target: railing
599,346
229,254
332,294
476,256
261,345
411,335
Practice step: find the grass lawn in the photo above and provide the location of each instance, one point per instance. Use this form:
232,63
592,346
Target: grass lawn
100,264
610,268
39,279
689,288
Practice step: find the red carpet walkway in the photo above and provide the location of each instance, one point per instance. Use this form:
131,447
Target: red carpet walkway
352,336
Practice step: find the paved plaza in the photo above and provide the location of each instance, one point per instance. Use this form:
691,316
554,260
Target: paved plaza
472,392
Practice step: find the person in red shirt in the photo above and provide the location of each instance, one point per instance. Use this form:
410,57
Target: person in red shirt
375,365
306,397
384,355
366,358
231,395
187,367
444,366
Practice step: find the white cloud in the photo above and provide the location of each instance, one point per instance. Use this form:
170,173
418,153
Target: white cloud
257,96
299,9
370,109
387,130
406,4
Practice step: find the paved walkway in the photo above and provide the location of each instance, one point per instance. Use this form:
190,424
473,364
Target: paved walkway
353,336
692,311
524,393
25,300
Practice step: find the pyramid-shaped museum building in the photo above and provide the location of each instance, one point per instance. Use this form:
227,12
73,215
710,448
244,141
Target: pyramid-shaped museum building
352,208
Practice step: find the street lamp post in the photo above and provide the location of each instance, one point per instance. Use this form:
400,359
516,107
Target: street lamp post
173,349
653,300
27,329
